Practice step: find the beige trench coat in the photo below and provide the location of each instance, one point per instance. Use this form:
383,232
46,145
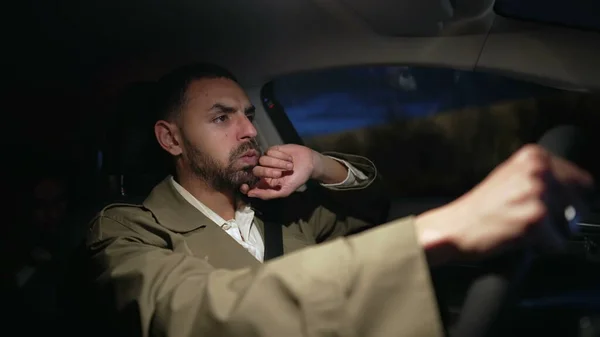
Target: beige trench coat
162,268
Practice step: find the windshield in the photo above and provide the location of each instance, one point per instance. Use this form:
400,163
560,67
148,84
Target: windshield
432,132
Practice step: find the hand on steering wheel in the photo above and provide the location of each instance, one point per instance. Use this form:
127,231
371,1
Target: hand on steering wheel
516,208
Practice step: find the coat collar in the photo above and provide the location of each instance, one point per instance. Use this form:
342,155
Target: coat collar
173,212
176,214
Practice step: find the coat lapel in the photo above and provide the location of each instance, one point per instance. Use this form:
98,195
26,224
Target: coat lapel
203,237
219,249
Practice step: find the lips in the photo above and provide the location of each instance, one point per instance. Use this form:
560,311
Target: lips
249,154
249,158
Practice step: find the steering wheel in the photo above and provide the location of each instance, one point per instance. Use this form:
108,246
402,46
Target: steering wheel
489,296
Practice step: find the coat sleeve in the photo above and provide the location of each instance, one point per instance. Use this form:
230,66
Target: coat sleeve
326,213
375,283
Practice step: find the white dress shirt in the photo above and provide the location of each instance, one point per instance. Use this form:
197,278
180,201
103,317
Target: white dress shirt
242,228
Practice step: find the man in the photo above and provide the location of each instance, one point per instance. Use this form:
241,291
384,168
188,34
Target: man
188,261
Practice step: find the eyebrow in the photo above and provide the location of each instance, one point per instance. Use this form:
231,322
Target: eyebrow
228,109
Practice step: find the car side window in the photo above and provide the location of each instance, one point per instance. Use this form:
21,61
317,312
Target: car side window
432,132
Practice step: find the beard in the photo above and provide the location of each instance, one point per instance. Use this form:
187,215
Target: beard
228,178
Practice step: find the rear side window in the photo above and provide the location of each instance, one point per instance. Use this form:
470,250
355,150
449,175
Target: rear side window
432,132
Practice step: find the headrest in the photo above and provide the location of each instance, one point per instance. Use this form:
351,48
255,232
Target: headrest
137,159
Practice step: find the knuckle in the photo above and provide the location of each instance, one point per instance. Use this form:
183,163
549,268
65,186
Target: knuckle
534,160
529,152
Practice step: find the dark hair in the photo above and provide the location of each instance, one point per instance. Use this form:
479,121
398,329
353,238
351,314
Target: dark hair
172,88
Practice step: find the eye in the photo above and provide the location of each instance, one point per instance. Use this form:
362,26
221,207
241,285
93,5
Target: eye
250,116
220,119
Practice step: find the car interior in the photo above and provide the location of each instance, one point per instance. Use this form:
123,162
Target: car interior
436,93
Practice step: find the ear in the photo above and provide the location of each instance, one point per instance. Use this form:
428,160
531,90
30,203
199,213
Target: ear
167,136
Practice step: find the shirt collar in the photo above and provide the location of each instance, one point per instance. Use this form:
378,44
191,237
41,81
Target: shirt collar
245,211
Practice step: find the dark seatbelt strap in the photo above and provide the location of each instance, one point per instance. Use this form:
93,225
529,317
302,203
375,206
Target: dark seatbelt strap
273,240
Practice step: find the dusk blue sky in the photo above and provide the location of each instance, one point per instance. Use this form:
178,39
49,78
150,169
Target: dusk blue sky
336,100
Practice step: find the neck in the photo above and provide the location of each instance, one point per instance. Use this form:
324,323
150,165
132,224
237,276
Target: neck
224,203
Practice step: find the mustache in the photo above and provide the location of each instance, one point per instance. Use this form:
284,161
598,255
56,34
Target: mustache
245,147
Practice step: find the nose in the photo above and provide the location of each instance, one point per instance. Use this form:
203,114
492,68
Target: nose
247,129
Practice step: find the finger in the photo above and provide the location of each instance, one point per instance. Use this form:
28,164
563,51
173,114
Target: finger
266,172
276,153
244,188
263,194
273,183
567,173
266,194
275,163
260,184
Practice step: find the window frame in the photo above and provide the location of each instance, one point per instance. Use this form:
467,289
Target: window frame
276,112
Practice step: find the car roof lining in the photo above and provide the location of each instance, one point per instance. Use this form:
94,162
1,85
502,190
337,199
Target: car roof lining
115,43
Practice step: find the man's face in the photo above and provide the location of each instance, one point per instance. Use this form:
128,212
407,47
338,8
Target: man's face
218,139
